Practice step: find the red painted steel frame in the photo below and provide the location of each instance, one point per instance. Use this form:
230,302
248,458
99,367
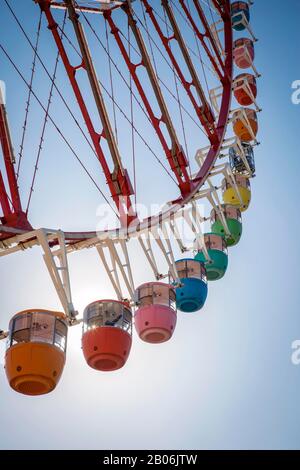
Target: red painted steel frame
201,37
4,198
218,5
226,98
8,159
179,168
118,180
215,147
203,110
207,29
13,215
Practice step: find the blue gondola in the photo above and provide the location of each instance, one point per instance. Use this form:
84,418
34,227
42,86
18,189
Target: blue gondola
191,296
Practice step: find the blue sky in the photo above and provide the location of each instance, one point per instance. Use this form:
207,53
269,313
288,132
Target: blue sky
226,379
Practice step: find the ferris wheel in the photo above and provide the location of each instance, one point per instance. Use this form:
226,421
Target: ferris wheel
167,101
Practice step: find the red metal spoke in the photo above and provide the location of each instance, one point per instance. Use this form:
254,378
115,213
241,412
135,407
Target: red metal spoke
8,156
118,179
10,202
175,155
203,110
135,96
219,6
207,29
226,98
116,176
201,38
28,102
40,148
4,201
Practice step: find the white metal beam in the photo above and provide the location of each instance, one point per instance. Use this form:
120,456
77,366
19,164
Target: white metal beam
59,273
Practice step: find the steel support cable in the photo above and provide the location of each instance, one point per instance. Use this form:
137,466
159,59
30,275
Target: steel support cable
57,128
179,102
169,65
198,100
115,65
212,19
47,72
204,64
176,85
124,113
134,95
181,107
200,57
170,92
175,78
211,13
29,96
111,81
120,108
132,118
122,76
89,143
49,76
212,43
207,118
149,40
159,49
207,4
44,124
164,20
141,137
171,148
189,48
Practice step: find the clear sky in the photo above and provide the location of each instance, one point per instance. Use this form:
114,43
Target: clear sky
226,380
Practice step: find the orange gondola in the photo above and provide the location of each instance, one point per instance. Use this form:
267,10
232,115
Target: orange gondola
36,351
245,125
